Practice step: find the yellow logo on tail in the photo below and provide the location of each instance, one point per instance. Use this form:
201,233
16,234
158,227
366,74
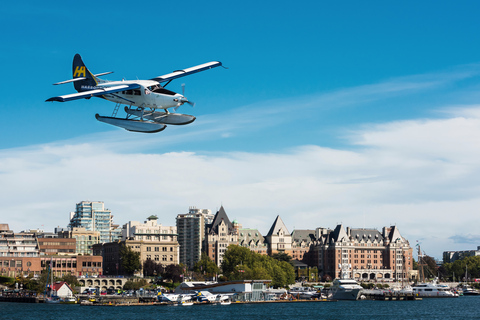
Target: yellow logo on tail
79,72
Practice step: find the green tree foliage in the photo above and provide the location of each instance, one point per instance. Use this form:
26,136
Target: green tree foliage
241,263
173,272
152,269
206,266
130,260
71,280
7,280
282,256
134,285
429,266
471,265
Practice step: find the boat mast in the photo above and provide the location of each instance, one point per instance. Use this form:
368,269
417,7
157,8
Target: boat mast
420,264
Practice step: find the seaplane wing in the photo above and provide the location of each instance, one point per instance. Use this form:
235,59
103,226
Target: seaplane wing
185,72
96,92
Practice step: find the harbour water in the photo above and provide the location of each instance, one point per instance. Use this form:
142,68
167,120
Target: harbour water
448,308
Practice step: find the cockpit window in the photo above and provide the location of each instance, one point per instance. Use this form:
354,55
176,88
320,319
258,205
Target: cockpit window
159,89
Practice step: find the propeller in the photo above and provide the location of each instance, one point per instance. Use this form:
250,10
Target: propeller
184,100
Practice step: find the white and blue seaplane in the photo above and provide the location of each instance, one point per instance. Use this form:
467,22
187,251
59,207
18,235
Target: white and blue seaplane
146,101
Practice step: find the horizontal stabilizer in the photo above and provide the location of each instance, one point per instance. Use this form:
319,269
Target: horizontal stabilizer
82,78
68,81
162,117
133,125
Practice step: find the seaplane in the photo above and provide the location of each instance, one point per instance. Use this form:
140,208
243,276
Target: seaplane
173,298
147,102
207,296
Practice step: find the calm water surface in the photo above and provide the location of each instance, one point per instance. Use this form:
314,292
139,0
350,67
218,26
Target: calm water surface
456,308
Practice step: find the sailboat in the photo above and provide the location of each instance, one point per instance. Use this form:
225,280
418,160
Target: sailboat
468,290
54,298
430,289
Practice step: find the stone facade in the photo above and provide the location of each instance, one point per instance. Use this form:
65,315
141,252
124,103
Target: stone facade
219,235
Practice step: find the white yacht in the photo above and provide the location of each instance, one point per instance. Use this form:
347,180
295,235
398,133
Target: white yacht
469,291
433,290
345,289
303,292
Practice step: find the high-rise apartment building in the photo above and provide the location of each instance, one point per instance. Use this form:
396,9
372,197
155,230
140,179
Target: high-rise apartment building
93,216
191,234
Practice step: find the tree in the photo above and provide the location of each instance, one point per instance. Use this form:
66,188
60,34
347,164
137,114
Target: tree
282,256
71,280
173,272
151,268
206,266
130,259
134,285
469,265
240,263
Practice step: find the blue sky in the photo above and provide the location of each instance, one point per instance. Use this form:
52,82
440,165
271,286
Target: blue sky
361,113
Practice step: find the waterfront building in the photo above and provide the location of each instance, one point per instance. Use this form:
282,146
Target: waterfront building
278,238
84,239
244,290
91,266
219,235
303,247
452,256
61,265
191,229
57,246
62,289
18,244
152,240
24,253
93,216
366,254
252,239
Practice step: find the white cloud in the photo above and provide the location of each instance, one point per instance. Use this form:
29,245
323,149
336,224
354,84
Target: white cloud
422,175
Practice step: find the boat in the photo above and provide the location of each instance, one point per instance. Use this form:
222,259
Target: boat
303,292
469,291
345,288
57,299
433,290
53,299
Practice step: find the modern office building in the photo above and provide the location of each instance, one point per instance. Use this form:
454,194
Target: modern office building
93,216
191,234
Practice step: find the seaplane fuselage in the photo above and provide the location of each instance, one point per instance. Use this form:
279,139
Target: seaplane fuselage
149,95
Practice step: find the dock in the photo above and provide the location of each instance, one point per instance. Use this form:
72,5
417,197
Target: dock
388,295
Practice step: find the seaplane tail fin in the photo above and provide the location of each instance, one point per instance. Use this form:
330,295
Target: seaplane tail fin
84,80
